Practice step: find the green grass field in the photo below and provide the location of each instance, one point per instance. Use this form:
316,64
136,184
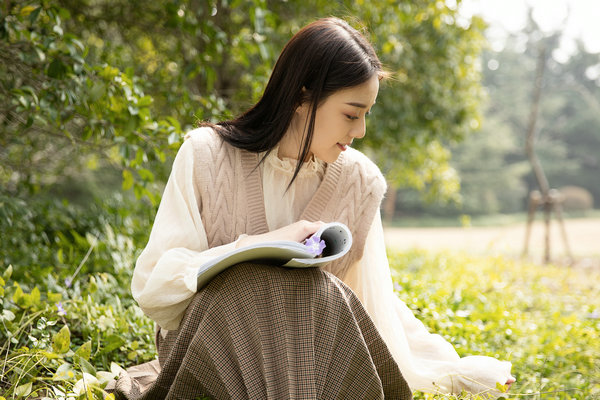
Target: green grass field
544,319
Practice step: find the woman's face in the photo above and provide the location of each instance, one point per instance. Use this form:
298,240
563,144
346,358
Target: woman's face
341,118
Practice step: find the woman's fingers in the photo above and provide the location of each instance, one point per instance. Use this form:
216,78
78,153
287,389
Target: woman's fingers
296,232
302,229
510,381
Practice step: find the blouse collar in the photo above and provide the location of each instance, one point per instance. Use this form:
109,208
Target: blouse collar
286,165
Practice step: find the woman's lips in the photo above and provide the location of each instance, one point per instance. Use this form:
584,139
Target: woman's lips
342,147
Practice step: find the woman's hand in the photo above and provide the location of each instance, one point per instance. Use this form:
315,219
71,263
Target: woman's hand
509,382
296,232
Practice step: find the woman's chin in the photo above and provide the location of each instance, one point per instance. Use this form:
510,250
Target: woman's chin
330,159
330,156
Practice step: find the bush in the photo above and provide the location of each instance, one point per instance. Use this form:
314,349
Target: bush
576,198
65,305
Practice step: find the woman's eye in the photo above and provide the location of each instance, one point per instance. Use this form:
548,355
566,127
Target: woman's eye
351,117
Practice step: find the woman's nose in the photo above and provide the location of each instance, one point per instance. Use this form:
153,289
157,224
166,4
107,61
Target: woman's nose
359,130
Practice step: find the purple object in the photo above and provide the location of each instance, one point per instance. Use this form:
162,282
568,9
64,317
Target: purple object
314,245
61,309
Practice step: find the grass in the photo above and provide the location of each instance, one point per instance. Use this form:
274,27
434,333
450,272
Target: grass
544,319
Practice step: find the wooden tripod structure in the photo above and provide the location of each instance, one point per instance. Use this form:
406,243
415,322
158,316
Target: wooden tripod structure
549,199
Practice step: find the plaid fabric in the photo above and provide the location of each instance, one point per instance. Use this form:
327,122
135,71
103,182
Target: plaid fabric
264,332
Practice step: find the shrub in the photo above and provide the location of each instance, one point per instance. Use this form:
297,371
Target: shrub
576,198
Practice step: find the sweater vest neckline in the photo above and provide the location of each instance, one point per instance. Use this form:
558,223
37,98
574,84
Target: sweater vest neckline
254,190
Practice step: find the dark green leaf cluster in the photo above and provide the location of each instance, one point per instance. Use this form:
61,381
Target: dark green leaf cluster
65,305
89,84
59,112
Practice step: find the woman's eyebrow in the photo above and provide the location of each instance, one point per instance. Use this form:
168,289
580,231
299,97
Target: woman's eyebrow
359,105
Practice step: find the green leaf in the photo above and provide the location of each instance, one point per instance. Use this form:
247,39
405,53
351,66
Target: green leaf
27,10
173,138
97,91
127,179
58,30
35,296
7,315
41,55
23,390
85,350
174,123
6,275
64,372
115,368
50,355
34,14
20,298
62,340
501,388
56,69
112,342
53,297
146,174
87,367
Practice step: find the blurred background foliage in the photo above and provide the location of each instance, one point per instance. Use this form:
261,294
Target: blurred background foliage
94,90
493,168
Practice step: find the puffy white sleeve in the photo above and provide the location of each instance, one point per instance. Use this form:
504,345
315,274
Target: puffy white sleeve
164,278
428,362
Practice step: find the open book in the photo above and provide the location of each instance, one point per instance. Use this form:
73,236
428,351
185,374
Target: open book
336,237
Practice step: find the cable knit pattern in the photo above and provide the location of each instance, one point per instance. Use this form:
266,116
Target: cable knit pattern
351,193
229,185
230,198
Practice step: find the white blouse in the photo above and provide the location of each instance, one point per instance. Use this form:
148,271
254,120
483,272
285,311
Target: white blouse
164,279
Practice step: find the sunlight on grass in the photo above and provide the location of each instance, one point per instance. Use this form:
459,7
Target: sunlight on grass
544,319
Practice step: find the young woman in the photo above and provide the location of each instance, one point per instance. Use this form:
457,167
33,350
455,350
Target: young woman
276,172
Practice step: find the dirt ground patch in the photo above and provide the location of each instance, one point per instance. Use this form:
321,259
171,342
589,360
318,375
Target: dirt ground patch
583,236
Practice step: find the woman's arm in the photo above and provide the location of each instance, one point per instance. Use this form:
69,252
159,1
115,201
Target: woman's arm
164,279
428,362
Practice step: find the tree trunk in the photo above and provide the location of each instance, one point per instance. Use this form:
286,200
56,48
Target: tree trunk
389,204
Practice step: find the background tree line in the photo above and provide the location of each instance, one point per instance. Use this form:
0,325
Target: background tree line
94,88
492,164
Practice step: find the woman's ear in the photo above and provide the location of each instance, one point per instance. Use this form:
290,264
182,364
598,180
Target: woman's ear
304,101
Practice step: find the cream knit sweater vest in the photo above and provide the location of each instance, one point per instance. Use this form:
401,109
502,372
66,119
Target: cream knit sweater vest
230,195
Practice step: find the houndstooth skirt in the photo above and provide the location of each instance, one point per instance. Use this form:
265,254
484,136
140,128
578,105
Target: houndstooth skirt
263,332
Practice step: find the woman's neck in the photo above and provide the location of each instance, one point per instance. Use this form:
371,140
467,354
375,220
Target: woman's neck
291,143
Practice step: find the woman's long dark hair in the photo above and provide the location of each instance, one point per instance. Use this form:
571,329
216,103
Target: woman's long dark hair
322,58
